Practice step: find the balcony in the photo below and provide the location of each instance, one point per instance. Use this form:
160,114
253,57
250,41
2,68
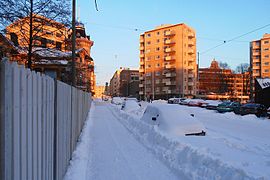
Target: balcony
165,89
141,85
170,83
191,60
256,60
191,83
191,67
256,67
168,50
256,74
169,33
191,75
191,43
170,75
141,70
141,55
141,62
141,93
141,48
190,51
169,66
191,35
141,78
141,39
169,42
169,58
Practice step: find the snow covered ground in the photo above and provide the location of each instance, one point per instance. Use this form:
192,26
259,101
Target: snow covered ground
235,147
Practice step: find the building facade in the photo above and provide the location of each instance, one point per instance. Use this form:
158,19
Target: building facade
168,65
223,84
99,92
51,50
125,83
259,60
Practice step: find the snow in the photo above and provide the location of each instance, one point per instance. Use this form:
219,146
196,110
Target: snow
235,147
116,144
108,151
44,61
171,119
131,106
117,100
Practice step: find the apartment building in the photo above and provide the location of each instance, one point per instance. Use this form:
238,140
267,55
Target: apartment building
218,83
259,60
125,83
168,65
51,53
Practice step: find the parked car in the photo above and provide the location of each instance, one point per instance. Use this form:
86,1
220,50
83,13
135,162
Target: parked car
213,105
117,100
196,102
228,107
252,108
172,119
175,100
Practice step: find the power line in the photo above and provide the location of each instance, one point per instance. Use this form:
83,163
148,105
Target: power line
233,39
118,27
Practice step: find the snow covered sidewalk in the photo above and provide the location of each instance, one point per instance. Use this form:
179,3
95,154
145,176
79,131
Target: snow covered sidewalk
107,150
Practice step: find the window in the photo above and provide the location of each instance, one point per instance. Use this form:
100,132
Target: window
158,33
147,51
148,58
157,49
157,65
157,73
157,57
58,45
267,70
266,49
148,35
266,56
148,42
158,40
148,66
266,63
266,42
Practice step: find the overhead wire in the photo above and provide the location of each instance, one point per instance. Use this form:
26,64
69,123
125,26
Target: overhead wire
234,38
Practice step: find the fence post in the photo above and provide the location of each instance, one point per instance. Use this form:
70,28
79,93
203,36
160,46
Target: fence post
55,132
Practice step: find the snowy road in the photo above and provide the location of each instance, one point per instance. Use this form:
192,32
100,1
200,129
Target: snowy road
114,153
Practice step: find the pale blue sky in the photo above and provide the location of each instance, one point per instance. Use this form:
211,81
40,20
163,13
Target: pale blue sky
117,44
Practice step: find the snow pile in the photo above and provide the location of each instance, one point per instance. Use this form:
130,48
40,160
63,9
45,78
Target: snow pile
117,100
172,120
160,101
80,156
226,152
131,106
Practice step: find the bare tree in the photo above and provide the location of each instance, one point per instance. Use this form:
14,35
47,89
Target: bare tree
33,11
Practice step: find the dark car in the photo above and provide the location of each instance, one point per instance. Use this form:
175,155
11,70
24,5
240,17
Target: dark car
251,108
228,107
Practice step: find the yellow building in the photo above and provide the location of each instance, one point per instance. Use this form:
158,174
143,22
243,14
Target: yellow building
259,60
46,33
99,91
168,65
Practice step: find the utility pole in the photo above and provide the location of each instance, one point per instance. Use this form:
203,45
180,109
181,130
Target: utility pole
198,74
73,69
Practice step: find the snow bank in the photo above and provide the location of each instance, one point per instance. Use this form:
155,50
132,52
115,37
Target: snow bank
188,161
80,157
131,106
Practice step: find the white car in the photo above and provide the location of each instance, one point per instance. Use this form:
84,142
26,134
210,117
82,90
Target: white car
117,100
172,119
130,105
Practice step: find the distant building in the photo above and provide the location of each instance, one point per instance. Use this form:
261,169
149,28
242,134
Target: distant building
219,83
99,91
259,60
168,65
125,83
